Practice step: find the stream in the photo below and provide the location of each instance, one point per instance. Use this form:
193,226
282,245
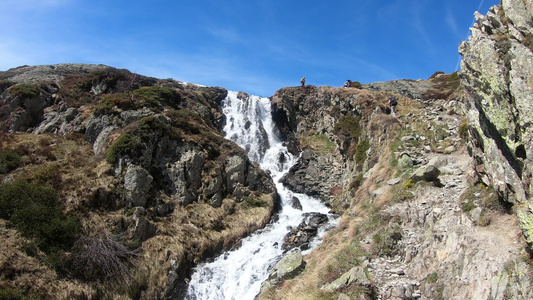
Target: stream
238,274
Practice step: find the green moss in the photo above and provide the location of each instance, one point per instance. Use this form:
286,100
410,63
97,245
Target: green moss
348,126
360,151
320,143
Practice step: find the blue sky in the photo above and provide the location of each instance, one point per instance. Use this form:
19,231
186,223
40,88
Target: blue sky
252,46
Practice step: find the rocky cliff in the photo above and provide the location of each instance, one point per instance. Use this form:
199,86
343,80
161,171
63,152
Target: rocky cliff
497,73
141,165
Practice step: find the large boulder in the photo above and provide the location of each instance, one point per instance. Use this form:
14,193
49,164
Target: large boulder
137,183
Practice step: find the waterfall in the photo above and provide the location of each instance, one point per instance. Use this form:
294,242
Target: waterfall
238,274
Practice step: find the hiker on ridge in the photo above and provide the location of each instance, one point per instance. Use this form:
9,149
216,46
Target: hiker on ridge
302,81
392,103
348,83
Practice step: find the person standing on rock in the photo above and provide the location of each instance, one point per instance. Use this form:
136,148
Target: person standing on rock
392,103
302,81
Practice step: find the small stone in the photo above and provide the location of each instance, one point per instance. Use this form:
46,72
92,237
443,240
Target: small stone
394,181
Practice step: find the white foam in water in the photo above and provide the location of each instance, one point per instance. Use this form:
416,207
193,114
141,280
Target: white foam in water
238,274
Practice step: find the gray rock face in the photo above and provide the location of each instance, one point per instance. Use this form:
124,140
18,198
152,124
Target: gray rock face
137,183
497,70
409,88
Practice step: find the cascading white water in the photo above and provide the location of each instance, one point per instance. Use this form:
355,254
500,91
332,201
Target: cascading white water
238,274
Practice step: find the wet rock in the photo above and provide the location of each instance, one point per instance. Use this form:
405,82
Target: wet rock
295,203
289,266
301,236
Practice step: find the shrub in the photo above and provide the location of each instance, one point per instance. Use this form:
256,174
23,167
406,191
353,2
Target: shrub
34,210
4,85
109,76
109,102
124,145
360,152
463,131
7,293
348,126
255,201
102,258
24,90
154,96
9,160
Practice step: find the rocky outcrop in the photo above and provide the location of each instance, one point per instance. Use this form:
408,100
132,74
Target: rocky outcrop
164,168
497,73
330,126
407,87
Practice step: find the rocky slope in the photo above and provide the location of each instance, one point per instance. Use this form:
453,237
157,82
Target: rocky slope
414,225
141,165
438,207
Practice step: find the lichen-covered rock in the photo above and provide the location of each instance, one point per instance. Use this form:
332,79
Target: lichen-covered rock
427,173
497,73
355,275
409,88
288,267
137,183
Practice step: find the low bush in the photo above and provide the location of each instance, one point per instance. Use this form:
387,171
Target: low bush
5,84
24,90
34,210
7,293
101,258
360,152
154,96
109,102
463,130
9,160
126,144
255,201
348,126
